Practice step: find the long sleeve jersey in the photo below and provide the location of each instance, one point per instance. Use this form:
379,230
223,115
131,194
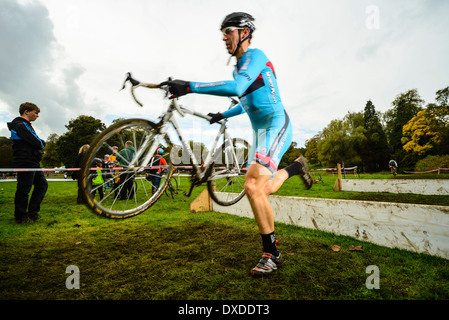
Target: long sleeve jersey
254,83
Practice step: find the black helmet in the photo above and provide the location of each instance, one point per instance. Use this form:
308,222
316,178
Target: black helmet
238,19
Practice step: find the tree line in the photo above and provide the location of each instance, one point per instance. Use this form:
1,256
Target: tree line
410,132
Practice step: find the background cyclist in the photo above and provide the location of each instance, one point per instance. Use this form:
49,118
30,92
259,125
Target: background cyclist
393,167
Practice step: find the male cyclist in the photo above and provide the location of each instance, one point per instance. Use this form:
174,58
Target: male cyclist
256,86
393,167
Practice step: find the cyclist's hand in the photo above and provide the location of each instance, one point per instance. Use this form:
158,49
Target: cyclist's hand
177,88
215,117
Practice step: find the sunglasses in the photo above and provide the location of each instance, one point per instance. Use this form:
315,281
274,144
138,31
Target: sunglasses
226,31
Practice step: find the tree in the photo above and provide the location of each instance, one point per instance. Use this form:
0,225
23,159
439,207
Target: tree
443,99
375,152
290,155
421,135
82,130
440,110
6,152
342,140
312,149
428,132
51,159
405,107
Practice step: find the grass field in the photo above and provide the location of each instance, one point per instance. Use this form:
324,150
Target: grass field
168,253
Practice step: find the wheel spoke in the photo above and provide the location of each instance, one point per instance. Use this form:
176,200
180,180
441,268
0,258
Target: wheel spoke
121,180
225,185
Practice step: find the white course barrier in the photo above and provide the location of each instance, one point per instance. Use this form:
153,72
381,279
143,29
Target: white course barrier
421,186
418,228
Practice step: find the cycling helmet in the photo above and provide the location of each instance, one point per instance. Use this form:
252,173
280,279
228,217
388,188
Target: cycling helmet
239,19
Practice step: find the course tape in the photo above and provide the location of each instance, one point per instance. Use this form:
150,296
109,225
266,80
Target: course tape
121,168
76,169
335,169
434,170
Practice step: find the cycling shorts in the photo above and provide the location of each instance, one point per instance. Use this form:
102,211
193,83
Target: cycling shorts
272,136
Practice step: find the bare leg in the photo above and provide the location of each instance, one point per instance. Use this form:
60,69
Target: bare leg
278,180
256,182
258,186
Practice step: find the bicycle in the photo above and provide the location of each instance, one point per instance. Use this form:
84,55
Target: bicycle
223,170
393,170
172,189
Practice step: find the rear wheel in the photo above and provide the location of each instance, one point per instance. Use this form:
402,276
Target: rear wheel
132,185
226,183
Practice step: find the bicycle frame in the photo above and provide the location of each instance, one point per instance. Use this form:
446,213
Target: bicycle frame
222,180
169,118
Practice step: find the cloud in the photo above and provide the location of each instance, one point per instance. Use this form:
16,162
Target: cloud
30,68
70,57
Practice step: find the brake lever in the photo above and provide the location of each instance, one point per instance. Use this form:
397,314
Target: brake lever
174,101
134,84
129,78
167,88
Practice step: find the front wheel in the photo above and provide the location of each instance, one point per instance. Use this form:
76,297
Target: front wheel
133,183
226,183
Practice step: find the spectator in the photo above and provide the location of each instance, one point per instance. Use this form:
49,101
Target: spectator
155,174
97,179
124,157
112,157
28,151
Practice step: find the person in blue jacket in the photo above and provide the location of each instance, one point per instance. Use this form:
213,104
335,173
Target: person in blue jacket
256,86
27,153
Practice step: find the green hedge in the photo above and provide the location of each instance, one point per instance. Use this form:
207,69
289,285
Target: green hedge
432,162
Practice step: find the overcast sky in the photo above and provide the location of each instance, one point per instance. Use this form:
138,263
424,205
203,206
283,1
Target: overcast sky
330,56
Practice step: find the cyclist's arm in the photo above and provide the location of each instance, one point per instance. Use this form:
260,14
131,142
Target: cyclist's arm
121,157
25,132
235,111
247,74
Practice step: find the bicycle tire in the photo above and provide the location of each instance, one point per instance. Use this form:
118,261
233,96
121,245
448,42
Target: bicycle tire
137,199
173,190
229,189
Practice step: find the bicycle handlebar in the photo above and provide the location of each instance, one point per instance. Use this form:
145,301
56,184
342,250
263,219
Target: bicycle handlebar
135,84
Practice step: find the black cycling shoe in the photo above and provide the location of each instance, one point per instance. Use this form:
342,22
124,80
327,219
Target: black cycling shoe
267,265
304,173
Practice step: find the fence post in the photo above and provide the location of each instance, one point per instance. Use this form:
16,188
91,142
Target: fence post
202,203
337,185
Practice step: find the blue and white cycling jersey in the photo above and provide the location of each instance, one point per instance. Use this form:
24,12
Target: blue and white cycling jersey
256,86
